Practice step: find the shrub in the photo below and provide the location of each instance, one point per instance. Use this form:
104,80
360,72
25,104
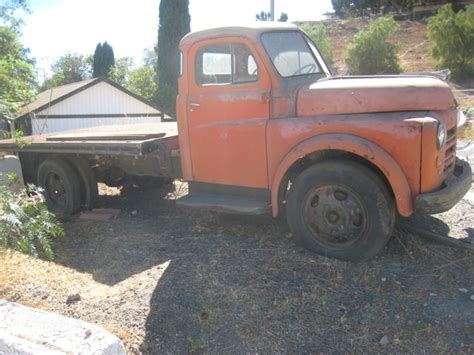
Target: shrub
453,40
25,223
370,53
318,34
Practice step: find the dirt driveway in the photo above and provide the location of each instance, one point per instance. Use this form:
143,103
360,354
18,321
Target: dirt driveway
173,280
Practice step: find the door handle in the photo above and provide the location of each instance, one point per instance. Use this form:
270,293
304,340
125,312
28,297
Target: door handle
194,104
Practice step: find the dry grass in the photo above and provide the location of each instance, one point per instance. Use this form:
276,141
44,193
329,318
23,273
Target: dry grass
172,280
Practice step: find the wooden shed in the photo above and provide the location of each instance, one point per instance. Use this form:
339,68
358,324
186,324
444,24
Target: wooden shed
84,104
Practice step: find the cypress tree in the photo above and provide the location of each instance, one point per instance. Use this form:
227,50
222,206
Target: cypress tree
103,60
174,24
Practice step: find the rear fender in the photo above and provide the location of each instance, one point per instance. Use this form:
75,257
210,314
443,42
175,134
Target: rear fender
355,145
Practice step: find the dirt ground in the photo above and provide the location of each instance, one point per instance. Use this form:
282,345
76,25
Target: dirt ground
171,280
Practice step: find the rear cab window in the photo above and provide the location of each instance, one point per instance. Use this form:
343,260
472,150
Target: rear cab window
225,64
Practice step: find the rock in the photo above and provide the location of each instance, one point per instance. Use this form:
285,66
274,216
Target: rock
10,167
462,289
384,340
472,297
134,213
384,279
432,294
73,298
25,330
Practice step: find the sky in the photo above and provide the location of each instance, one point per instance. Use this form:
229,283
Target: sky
58,26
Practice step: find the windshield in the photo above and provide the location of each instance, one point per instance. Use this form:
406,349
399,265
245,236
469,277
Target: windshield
290,53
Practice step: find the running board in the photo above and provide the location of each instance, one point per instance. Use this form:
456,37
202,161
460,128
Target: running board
225,203
227,198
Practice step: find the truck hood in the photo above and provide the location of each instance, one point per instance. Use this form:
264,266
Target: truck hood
345,95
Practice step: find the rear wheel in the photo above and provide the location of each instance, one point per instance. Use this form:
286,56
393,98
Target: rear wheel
61,187
341,209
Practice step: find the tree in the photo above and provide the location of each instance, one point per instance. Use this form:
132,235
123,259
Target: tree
103,60
371,53
283,17
453,40
263,16
17,79
318,34
141,81
121,71
174,24
69,68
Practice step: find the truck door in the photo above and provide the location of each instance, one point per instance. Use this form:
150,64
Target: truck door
227,112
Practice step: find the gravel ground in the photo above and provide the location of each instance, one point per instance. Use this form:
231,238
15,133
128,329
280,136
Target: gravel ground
171,280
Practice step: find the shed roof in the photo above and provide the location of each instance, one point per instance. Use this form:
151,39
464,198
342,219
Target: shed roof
57,94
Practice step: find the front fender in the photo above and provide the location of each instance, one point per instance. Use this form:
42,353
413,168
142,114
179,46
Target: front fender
355,145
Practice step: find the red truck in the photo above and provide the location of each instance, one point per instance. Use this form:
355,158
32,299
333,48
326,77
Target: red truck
264,126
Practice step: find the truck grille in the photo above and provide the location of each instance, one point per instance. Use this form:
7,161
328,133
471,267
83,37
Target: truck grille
450,151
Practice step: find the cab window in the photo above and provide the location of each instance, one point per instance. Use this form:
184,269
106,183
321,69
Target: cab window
225,64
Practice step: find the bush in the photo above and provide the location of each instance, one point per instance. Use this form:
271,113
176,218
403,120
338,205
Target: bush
318,34
370,53
453,40
25,223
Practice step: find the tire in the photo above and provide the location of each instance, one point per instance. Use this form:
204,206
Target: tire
89,189
341,209
62,188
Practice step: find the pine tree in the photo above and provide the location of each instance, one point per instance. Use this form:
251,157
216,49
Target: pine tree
103,60
174,24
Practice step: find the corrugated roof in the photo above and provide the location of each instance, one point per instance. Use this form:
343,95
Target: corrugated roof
50,96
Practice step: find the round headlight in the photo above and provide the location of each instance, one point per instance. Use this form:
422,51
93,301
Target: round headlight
441,135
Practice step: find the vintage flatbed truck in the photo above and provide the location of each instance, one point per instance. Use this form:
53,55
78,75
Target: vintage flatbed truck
264,126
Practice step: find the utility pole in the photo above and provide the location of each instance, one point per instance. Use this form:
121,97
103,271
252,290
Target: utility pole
272,10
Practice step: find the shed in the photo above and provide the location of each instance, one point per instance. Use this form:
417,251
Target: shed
84,104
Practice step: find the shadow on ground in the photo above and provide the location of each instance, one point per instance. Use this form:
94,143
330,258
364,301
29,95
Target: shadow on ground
241,284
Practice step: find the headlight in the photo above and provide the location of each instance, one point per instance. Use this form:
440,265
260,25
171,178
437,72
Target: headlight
441,136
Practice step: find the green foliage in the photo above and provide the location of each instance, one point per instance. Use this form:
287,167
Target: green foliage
318,34
141,81
263,16
69,68
174,24
370,53
283,17
25,223
452,35
120,72
103,61
361,7
17,80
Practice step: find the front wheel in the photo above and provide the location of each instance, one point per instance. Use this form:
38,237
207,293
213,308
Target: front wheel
341,209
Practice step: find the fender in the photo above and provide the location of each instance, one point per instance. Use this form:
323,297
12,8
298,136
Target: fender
355,145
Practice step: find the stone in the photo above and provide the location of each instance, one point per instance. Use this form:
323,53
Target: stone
384,340
24,330
73,298
10,164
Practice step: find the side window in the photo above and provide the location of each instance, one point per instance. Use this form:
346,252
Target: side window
225,64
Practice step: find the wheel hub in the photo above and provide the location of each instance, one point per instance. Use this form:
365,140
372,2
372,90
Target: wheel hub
335,215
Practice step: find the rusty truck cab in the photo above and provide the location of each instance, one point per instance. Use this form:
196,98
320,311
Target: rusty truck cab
262,120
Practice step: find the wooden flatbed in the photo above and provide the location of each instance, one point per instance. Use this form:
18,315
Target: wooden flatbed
126,140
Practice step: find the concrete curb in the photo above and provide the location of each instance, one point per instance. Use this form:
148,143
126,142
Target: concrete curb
25,330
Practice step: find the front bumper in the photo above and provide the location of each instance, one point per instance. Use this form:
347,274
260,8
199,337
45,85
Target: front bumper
452,190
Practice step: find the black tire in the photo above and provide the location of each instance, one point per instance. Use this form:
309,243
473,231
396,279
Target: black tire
89,189
341,209
62,188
